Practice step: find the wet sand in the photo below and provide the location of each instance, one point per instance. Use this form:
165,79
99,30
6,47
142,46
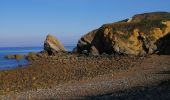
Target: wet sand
80,77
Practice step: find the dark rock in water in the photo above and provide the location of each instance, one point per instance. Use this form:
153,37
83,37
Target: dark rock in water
20,65
15,56
75,50
141,35
52,46
9,56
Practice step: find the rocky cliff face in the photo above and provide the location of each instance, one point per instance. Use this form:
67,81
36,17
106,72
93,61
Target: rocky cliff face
52,46
140,35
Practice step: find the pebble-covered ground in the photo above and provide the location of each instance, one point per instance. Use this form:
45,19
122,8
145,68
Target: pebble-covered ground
46,72
81,77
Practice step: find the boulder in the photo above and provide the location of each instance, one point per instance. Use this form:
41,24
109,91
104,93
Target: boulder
140,35
15,56
52,46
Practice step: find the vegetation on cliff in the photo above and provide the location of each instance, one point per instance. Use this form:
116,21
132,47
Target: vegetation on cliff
137,36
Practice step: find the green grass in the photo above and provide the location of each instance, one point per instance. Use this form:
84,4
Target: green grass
147,25
144,26
131,42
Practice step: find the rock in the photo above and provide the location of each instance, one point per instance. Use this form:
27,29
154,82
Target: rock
94,51
9,56
75,50
140,35
52,46
32,56
15,56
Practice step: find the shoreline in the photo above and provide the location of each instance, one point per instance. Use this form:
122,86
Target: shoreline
104,85
72,73
43,72
8,55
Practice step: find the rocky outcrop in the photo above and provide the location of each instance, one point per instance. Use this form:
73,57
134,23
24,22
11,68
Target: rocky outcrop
31,56
14,56
140,35
52,46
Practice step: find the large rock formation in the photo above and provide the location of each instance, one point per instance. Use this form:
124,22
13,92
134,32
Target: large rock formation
140,35
52,46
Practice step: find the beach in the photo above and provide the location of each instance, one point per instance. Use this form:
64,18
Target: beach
79,76
124,60
7,64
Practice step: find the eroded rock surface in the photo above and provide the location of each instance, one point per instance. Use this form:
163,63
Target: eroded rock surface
53,46
140,35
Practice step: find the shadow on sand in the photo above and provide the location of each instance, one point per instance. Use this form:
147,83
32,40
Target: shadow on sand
159,92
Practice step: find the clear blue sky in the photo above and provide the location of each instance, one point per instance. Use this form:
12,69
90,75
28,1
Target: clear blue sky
27,22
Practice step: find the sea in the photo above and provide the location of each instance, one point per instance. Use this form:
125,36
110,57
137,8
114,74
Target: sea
7,64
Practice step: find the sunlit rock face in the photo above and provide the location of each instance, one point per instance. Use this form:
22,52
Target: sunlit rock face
52,46
141,35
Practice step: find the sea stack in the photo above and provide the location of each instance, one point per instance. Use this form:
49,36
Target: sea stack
53,46
140,35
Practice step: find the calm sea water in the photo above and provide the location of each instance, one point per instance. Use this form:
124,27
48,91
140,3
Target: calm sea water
12,63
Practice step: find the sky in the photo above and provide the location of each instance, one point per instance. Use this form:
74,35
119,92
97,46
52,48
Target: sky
25,23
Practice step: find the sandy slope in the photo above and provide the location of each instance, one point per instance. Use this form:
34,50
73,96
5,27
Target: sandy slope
151,72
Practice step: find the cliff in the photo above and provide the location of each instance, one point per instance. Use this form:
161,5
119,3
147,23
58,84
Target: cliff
140,35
